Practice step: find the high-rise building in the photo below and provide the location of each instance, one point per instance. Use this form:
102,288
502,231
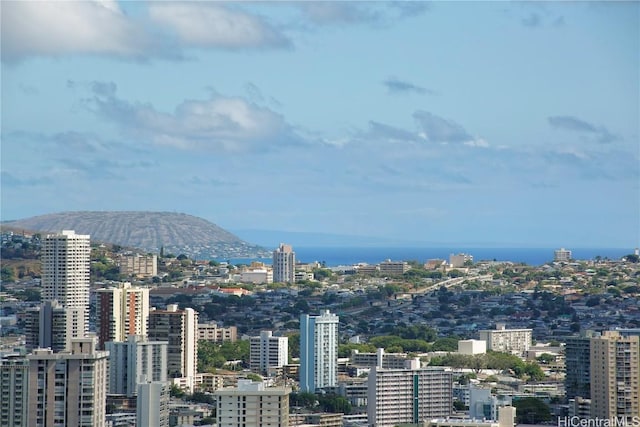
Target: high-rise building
284,264
577,381
135,361
267,352
66,260
152,404
179,328
253,405
14,390
562,255
408,396
68,388
514,341
121,311
614,377
318,351
50,326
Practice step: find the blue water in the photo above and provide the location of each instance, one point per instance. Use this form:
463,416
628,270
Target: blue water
372,255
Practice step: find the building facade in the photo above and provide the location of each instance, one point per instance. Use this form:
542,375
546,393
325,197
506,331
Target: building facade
135,361
514,341
394,268
318,351
284,264
14,390
562,255
121,311
68,388
614,377
253,405
179,328
577,380
152,404
139,266
406,396
267,353
50,326
214,333
66,261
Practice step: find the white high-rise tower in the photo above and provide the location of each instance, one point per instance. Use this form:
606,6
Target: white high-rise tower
66,261
318,351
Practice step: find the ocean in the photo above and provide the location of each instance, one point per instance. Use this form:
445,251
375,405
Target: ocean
336,256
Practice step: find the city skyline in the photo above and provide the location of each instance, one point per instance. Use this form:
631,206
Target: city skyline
510,123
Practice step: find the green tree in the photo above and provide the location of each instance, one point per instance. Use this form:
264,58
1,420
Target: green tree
531,410
6,274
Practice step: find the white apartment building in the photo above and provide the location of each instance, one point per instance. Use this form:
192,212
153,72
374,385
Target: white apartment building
562,255
408,396
179,328
506,418
66,261
68,388
135,361
267,352
514,341
381,359
471,347
257,276
152,404
140,266
14,390
615,368
121,311
318,351
253,405
284,264
214,333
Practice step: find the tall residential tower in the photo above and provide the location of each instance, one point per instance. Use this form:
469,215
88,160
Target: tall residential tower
284,264
66,261
318,351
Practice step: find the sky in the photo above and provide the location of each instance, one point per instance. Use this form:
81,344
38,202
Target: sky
473,123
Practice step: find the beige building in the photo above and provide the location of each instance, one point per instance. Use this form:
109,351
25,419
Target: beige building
614,377
180,329
139,266
214,333
121,311
68,388
284,264
253,405
514,341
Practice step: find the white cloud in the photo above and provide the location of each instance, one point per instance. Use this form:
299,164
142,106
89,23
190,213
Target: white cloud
477,143
220,123
57,28
214,25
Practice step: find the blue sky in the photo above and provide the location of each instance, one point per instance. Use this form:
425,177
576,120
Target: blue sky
472,123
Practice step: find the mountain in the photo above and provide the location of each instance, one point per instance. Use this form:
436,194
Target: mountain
177,233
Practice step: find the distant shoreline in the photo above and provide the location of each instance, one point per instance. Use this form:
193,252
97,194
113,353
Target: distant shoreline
337,256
